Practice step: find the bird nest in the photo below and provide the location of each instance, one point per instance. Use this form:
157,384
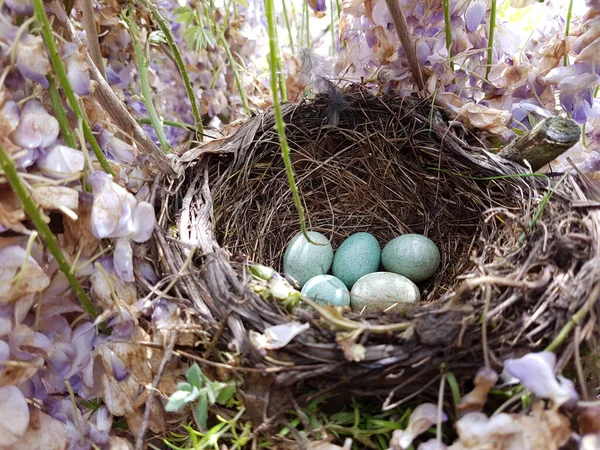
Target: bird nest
520,253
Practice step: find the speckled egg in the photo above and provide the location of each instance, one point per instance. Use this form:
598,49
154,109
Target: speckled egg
327,290
412,255
383,291
303,260
357,256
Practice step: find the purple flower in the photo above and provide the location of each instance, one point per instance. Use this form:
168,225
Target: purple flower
24,7
61,162
37,128
115,148
77,69
32,59
474,15
535,371
116,214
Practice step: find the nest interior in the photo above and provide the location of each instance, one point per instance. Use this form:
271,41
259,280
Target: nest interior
519,253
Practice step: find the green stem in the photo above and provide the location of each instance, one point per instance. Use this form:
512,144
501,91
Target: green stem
490,52
32,210
40,14
575,320
164,27
307,29
448,28
279,124
236,74
170,123
142,64
279,64
60,113
288,26
332,24
567,29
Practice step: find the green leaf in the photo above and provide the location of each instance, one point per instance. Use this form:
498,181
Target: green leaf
179,399
183,386
225,393
194,375
210,392
201,412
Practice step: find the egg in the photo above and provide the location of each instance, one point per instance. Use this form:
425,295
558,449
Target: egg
303,260
382,291
327,290
358,255
412,255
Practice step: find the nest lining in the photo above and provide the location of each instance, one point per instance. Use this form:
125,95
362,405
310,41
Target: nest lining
390,166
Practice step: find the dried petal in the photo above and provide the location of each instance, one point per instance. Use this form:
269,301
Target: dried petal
535,371
14,260
484,381
421,419
46,433
14,415
50,197
278,336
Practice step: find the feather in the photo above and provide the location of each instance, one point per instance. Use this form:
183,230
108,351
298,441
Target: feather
316,70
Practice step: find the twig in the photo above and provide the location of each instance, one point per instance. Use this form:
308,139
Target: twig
139,442
543,143
348,324
115,107
578,365
89,23
484,324
407,44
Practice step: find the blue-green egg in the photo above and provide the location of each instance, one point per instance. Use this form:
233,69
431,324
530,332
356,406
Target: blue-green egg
383,291
327,290
358,255
303,260
412,255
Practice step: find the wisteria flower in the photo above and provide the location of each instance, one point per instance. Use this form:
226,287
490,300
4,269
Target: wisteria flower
61,161
77,69
32,59
576,86
37,128
115,148
24,7
474,15
117,214
535,371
